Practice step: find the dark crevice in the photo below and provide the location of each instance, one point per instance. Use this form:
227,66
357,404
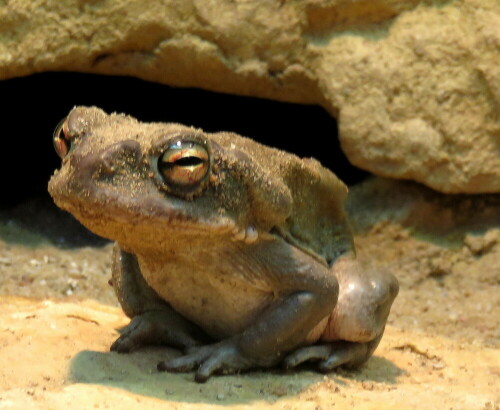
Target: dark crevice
34,105
100,58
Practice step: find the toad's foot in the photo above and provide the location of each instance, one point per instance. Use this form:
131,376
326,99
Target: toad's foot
333,355
223,357
157,328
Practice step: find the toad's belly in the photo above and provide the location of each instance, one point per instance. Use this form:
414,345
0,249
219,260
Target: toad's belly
221,303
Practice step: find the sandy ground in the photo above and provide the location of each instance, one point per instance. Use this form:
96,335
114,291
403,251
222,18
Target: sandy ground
58,316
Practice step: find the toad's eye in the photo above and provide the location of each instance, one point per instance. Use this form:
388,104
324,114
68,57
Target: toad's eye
60,139
184,163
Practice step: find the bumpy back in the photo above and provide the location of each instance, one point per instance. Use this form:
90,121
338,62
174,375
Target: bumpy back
317,222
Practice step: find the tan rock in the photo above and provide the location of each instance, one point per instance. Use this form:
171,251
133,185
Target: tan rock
421,101
415,85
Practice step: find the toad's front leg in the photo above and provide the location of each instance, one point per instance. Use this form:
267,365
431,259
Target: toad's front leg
305,298
153,322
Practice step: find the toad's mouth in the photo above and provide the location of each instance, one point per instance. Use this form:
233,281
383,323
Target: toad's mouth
117,214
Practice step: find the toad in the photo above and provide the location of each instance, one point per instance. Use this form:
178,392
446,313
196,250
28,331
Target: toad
237,253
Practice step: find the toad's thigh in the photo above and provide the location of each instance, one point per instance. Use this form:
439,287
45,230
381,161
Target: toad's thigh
365,299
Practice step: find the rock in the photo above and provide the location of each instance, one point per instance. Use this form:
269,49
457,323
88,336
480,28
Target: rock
439,217
421,102
479,245
415,85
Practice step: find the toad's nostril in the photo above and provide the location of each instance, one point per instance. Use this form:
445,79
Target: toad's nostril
107,164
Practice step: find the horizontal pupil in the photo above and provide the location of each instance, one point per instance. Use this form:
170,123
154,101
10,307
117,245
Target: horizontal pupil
188,162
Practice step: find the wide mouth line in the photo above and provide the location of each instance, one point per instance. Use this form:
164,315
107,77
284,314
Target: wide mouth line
111,211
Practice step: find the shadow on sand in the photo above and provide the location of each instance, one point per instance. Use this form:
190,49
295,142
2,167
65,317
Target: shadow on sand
136,372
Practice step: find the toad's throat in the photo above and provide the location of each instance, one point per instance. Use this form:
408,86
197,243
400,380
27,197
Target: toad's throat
206,286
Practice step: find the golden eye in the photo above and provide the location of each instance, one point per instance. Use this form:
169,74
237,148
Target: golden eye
60,139
184,163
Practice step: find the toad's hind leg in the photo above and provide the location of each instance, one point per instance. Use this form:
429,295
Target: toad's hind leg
154,322
357,323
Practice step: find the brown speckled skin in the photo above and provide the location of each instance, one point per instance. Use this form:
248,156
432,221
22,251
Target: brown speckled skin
252,266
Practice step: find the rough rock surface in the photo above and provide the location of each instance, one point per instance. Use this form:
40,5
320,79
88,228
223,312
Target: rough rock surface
415,84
